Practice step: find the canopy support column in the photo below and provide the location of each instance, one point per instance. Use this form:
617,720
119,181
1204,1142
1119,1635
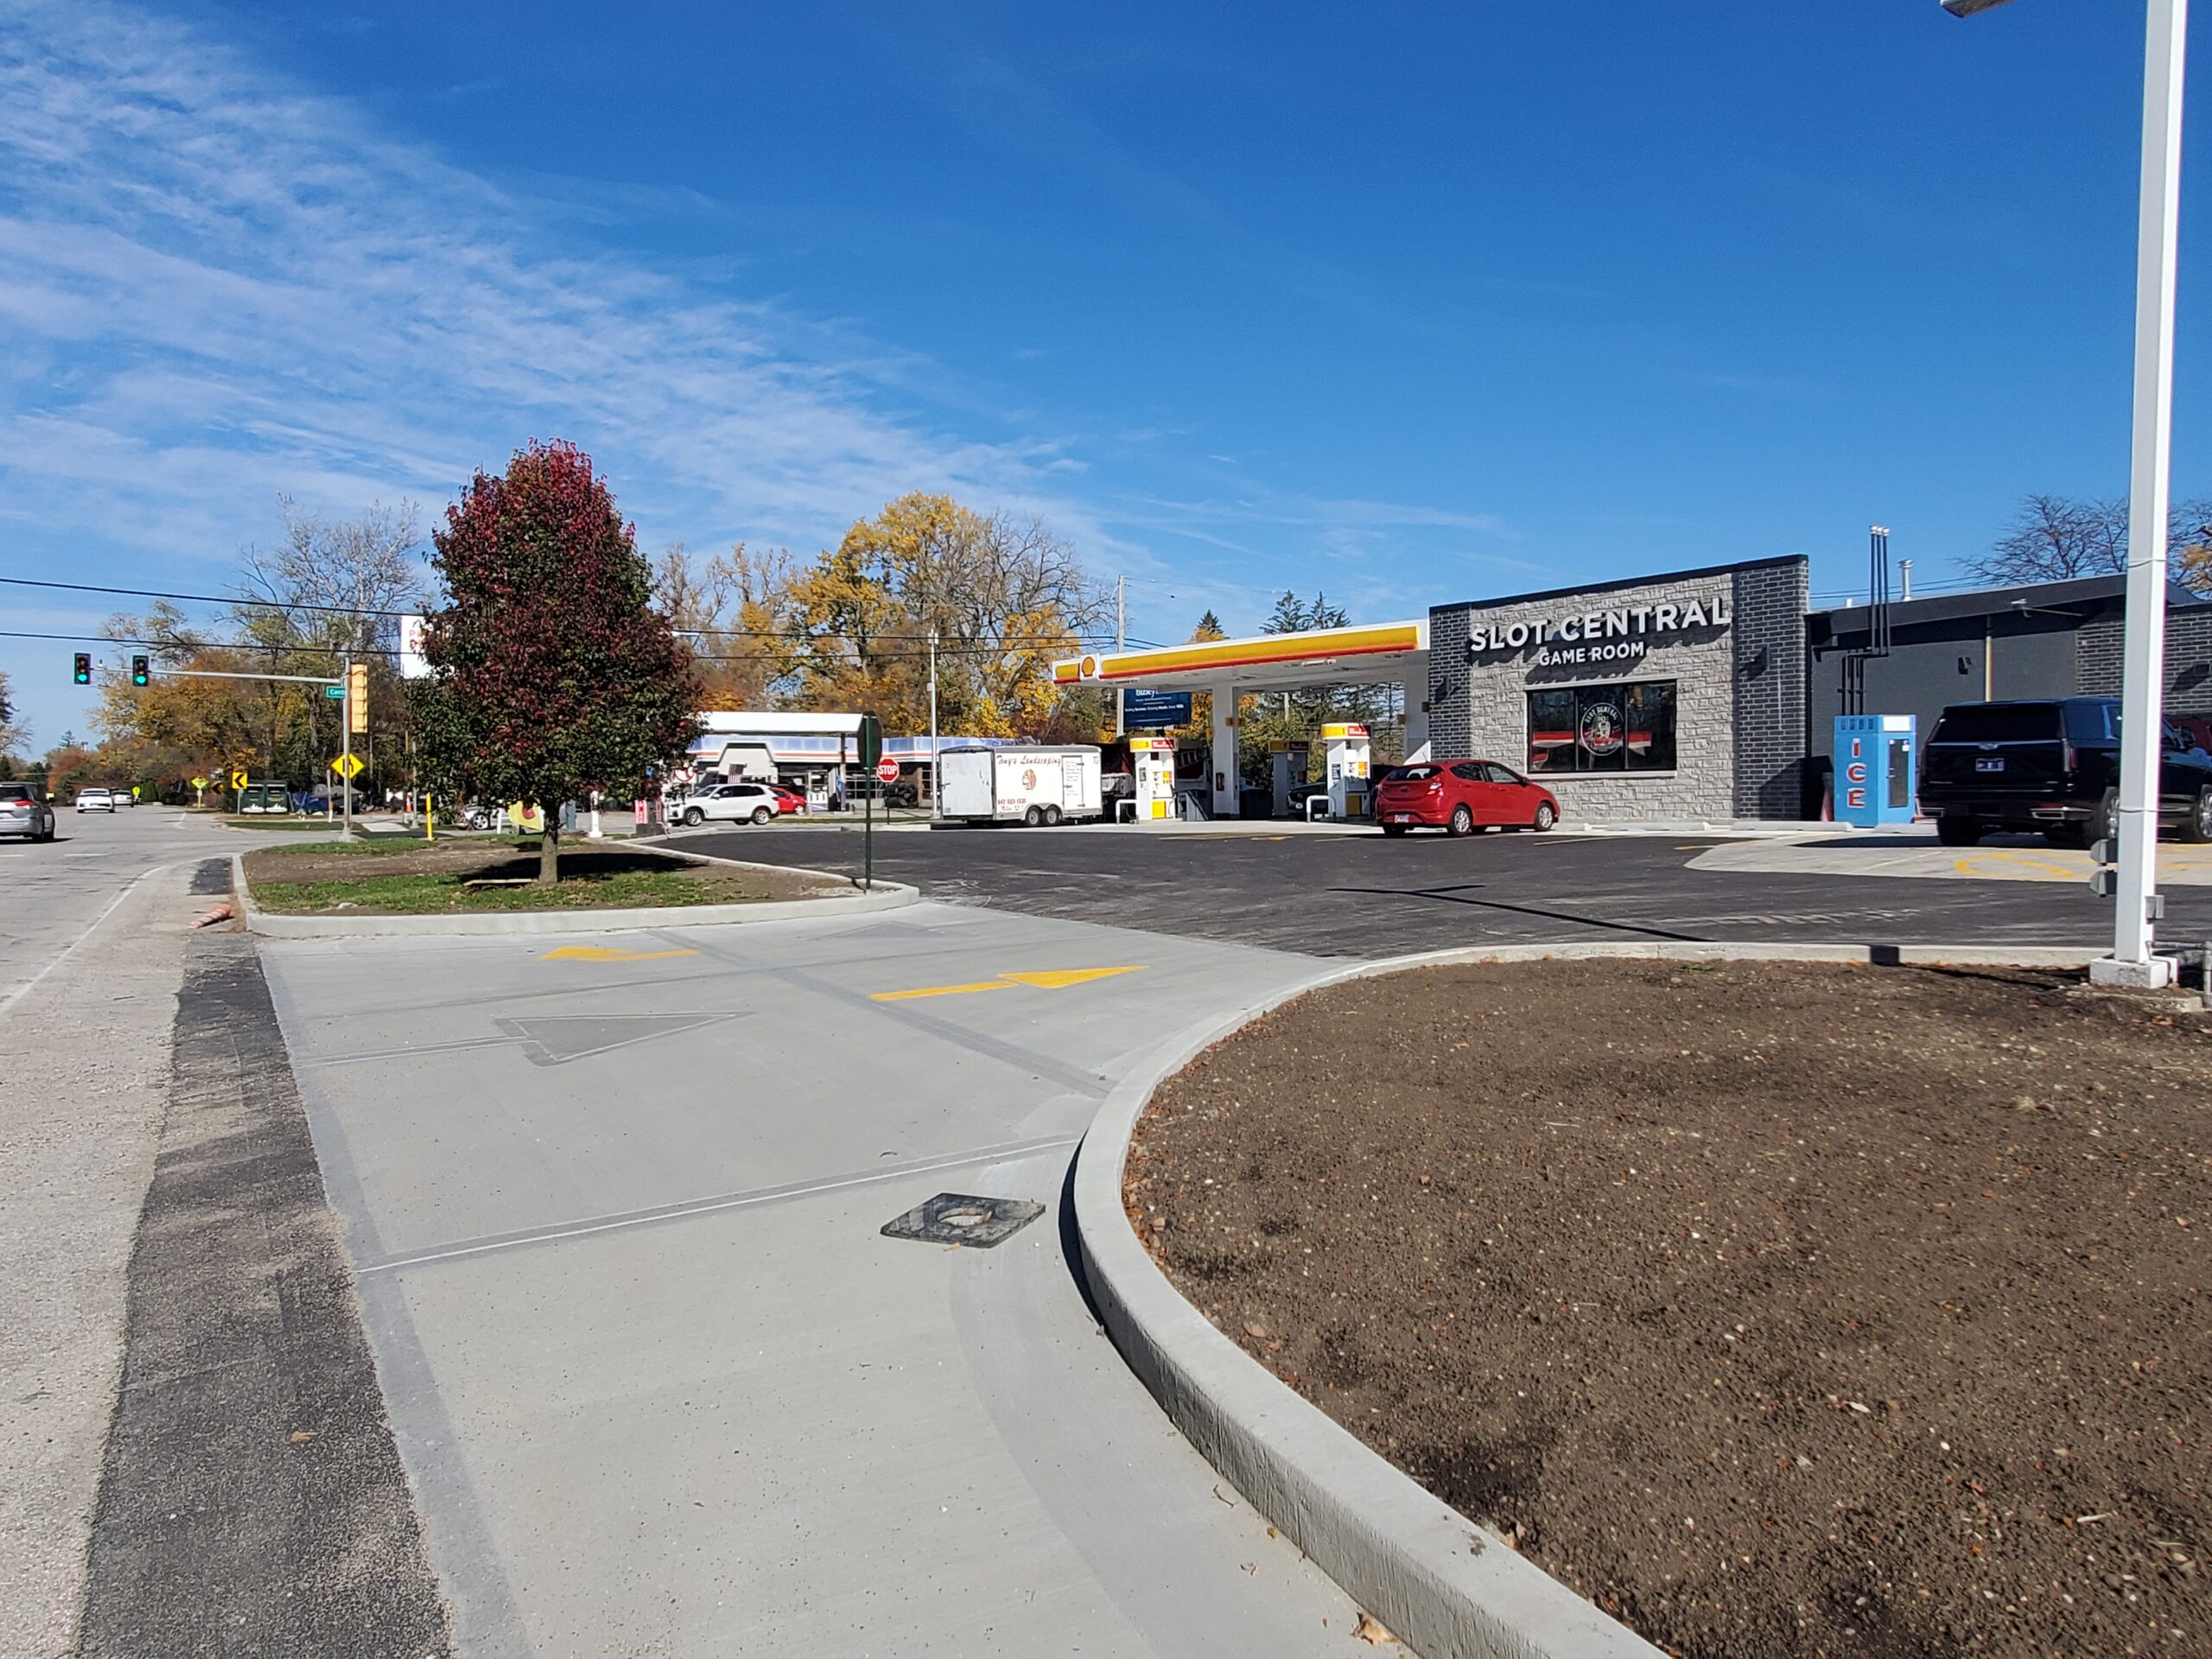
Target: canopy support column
1222,761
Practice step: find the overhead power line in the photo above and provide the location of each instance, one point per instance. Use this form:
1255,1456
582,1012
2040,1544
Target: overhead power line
180,646
1084,641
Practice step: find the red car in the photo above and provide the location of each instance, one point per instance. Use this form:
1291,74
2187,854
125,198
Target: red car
1461,797
788,800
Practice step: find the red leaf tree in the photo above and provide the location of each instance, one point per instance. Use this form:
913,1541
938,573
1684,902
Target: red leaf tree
554,674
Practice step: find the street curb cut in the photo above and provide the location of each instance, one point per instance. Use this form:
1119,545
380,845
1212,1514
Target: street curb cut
889,895
1448,1588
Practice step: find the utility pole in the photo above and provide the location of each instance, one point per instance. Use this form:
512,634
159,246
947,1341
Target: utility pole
936,811
1120,639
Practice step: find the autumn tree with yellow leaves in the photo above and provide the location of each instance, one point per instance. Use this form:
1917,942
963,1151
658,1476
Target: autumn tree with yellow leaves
1005,595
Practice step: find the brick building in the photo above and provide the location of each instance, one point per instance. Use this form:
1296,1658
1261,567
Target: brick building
1681,695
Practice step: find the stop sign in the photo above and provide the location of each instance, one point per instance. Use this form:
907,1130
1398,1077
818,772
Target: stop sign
886,770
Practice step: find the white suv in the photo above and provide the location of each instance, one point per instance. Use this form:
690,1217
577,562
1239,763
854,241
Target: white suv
731,802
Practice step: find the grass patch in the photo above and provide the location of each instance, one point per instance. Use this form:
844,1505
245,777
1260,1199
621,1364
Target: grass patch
422,894
403,877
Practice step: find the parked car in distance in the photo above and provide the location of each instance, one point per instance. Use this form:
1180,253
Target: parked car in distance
1460,797
22,813
270,799
2051,765
787,799
96,800
757,803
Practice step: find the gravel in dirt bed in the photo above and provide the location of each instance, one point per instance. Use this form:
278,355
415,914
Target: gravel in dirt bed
369,878
1779,1309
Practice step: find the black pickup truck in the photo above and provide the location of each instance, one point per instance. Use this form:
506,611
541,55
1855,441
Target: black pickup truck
2051,766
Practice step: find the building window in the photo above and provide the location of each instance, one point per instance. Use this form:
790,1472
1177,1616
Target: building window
1597,729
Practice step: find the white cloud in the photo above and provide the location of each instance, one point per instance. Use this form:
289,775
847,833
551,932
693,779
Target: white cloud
216,287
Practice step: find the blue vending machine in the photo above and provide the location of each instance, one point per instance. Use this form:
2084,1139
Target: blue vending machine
1874,776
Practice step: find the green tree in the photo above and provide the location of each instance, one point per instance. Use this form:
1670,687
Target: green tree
554,674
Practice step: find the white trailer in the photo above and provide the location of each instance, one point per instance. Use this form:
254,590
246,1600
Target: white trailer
1033,786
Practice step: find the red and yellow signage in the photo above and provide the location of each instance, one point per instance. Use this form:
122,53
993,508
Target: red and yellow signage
1262,651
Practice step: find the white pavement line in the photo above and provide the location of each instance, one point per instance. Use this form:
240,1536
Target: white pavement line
91,928
687,1208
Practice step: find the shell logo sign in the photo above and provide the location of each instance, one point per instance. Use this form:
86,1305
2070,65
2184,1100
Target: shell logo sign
1088,668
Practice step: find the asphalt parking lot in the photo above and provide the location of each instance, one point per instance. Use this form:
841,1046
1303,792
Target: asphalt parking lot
1367,896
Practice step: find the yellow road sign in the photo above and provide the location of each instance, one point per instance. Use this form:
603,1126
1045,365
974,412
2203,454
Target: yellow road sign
347,766
602,953
237,780
1050,979
199,782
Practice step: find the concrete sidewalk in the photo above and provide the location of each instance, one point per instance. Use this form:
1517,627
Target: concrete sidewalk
661,1384
1914,852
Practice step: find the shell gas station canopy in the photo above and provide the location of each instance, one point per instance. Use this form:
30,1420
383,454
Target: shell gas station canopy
1383,653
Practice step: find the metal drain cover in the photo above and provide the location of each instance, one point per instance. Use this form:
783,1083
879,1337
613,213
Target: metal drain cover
962,1218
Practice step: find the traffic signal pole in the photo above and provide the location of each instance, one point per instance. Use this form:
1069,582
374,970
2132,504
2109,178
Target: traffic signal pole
345,763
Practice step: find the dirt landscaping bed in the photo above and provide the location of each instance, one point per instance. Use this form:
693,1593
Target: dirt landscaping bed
1779,1309
413,878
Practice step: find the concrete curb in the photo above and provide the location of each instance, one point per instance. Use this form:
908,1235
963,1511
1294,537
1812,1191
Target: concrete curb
888,895
1450,1589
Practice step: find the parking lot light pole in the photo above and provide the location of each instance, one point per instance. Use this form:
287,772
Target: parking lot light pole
2136,904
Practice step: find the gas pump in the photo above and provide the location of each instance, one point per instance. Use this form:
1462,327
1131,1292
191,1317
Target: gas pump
1345,749
1874,771
1289,759
1152,759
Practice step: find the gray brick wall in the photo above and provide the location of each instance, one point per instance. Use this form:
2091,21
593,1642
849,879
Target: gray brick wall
1770,689
1449,734
2098,651
1481,709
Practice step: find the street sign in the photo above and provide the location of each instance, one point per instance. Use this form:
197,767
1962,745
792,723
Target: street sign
237,779
347,766
199,782
335,693
871,736
886,770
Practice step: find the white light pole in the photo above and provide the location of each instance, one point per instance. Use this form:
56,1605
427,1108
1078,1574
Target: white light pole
2137,905
936,811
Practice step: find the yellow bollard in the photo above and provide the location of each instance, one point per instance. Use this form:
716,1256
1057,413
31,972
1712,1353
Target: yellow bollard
429,817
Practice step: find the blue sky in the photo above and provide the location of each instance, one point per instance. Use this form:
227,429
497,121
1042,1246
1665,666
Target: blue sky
1421,304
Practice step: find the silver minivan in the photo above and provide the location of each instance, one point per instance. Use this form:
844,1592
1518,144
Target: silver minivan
22,813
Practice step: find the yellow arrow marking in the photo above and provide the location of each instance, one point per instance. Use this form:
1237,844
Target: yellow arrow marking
1050,979
1058,979
602,953
942,990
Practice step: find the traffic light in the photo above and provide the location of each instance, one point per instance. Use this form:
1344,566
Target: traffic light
357,698
84,674
141,671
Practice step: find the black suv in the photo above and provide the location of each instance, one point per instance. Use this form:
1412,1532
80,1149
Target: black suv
2051,766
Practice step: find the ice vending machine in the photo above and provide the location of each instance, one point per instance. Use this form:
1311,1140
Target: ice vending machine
1875,779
